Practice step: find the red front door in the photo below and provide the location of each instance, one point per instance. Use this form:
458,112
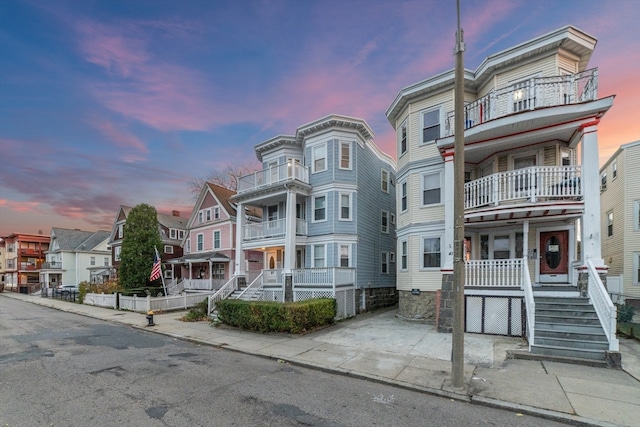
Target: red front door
554,256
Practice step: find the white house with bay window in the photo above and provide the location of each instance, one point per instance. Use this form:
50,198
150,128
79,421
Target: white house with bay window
531,202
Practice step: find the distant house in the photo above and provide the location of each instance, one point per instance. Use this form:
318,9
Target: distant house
23,258
76,256
620,218
171,228
327,196
209,246
531,200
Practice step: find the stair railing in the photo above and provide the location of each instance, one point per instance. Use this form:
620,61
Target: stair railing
603,305
222,293
253,286
530,305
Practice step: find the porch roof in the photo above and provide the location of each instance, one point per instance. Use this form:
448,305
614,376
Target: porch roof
200,257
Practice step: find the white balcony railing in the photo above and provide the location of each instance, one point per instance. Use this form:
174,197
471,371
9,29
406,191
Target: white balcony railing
550,182
324,277
271,229
496,273
273,175
528,95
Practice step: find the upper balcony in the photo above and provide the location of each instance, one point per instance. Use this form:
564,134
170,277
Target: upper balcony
279,174
51,265
524,193
271,229
532,94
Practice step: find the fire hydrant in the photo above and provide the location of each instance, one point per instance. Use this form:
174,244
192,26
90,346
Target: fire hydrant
150,318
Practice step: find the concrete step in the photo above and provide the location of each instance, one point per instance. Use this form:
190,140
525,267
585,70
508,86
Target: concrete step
550,350
525,355
563,319
582,335
569,328
574,344
561,301
553,311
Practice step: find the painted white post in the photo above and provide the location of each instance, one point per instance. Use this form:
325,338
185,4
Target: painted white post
239,261
591,238
290,233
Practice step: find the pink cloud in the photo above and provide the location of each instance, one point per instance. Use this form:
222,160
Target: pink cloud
123,139
19,206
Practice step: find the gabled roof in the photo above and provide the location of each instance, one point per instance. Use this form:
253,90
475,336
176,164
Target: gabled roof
223,196
78,240
169,221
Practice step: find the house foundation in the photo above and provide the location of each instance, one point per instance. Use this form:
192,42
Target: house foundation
417,305
376,298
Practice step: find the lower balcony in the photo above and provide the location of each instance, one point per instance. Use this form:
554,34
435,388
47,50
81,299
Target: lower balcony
494,273
271,229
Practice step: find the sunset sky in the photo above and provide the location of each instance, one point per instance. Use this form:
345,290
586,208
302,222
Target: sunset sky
119,102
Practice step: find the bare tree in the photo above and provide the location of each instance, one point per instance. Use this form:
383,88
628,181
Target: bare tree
227,178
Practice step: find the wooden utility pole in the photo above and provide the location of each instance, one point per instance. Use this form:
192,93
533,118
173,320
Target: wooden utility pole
457,350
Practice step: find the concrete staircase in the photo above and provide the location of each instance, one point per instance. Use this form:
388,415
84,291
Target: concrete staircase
568,328
251,295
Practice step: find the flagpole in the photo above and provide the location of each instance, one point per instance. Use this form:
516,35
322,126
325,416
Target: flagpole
164,287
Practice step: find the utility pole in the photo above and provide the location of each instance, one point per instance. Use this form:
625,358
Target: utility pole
457,347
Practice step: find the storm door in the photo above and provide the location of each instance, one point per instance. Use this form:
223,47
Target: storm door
554,256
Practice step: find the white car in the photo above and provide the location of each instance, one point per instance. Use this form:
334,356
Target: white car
67,289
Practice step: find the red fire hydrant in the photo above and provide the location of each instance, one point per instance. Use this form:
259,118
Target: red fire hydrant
150,318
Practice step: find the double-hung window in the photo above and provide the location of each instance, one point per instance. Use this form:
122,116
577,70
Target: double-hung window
403,196
216,239
430,125
168,249
636,215
345,206
431,252
603,181
610,223
92,260
385,181
636,268
384,264
403,138
345,256
431,192
208,214
318,256
403,255
345,155
319,208
384,222
319,153
216,212
200,242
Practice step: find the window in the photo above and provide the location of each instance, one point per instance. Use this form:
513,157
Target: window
385,181
610,223
319,153
384,265
430,125
345,206
189,245
168,274
216,213
208,215
431,189
384,224
318,256
501,246
614,170
431,252
200,217
345,155
120,230
344,256
403,255
403,138
603,181
216,239
636,215
200,242
392,257
403,191
168,249
392,219
106,261
172,233
319,209
636,268
217,271
117,253
92,260
180,234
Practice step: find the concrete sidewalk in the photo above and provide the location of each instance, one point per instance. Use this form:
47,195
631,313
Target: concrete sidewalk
381,347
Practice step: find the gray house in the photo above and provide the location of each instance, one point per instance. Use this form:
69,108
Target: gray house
328,226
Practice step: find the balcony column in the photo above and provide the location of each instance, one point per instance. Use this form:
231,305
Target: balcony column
289,244
447,244
591,238
239,261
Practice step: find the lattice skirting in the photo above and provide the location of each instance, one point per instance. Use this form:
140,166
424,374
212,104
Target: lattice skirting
494,315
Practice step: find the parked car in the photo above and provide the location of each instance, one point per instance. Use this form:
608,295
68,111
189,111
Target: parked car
67,289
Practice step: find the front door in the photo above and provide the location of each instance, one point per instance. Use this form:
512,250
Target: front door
554,256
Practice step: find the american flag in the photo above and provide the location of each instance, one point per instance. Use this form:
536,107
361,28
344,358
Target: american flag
156,270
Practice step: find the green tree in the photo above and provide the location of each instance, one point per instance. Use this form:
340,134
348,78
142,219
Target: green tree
141,237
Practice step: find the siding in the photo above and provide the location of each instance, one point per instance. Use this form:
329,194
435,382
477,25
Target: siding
543,67
631,169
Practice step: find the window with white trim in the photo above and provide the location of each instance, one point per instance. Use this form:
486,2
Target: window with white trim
431,252
172,233
168,249
636,215
614,170
319,158
208,215
603,181
319,256
345,155
403,138
106,261
116,254
189,245
431,189
180,234
392,219
345,206
345,255
200,217
636,268
319,208
120,230
200,242
403,255
168,274
610,223
403,196
384,222
430,125
92,260
217,271
216,212
384,263
216,239
384,185
392,257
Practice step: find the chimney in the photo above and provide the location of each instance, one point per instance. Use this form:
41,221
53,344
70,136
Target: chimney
175,213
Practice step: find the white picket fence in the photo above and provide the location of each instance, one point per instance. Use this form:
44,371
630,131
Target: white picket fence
144,304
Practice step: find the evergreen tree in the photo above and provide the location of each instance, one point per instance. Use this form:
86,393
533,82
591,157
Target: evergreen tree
141,237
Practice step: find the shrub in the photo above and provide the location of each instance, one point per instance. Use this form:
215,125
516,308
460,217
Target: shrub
267,316
625,313
197,313
83,287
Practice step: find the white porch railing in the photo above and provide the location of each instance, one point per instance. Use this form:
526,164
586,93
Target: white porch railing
326,277
605,309
529,304
533,183
223,293
494,272
174,287
528,95
274,175
269,229
203,284
254,285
